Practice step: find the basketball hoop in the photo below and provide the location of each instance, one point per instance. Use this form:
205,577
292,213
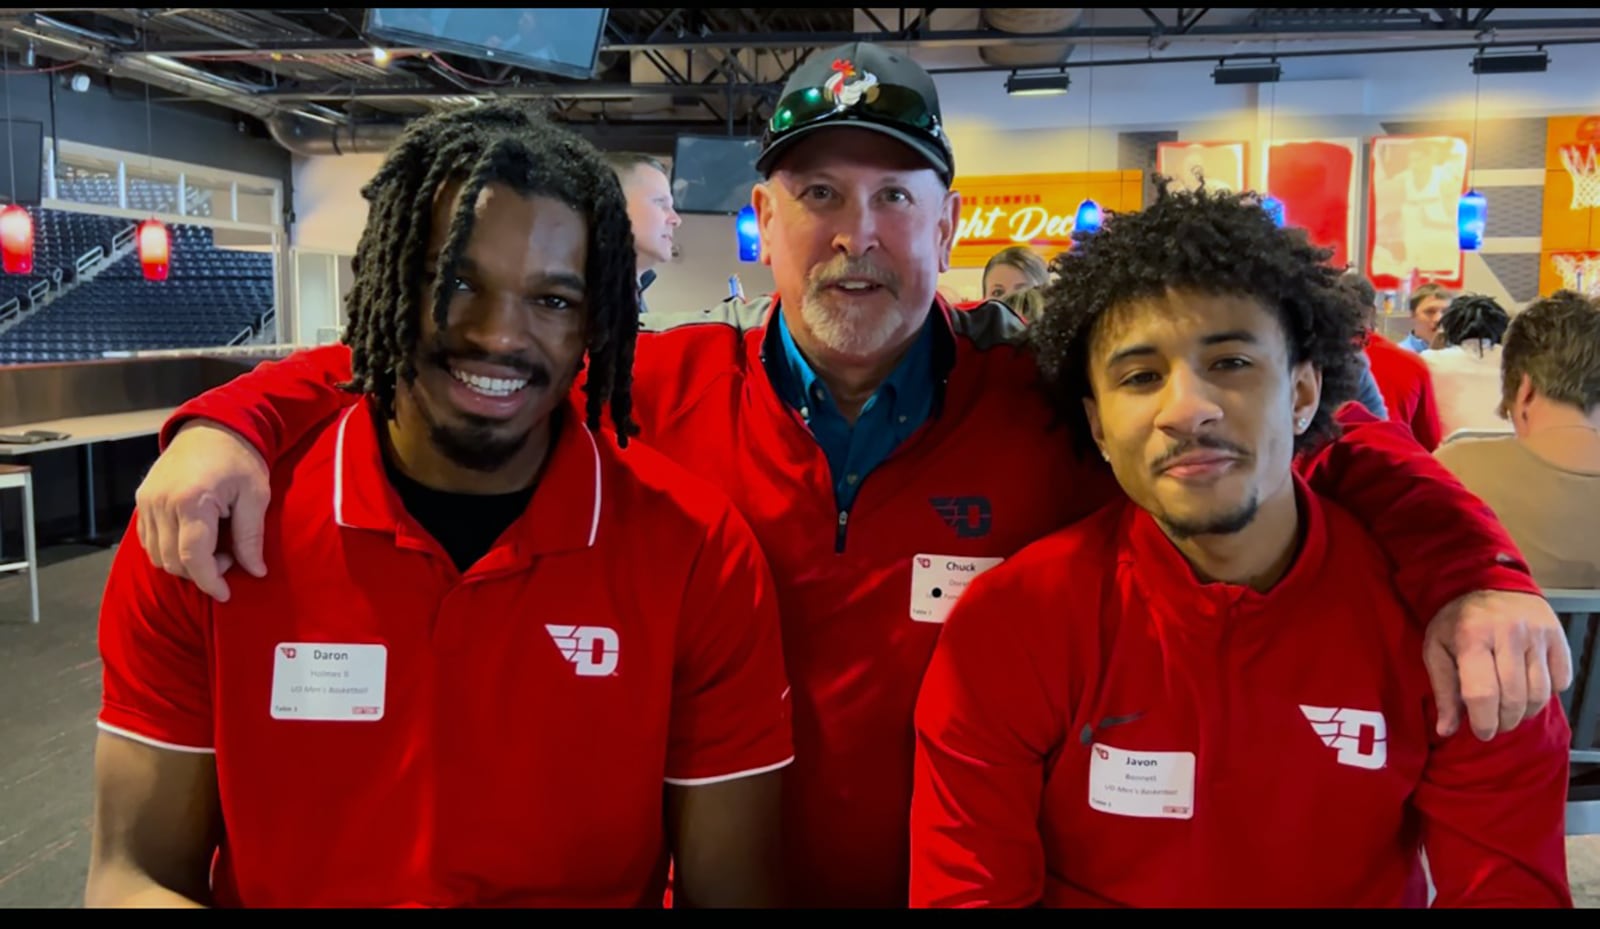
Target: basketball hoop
1580,161
1580,272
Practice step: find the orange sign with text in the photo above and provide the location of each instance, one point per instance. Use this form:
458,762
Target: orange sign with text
1038,210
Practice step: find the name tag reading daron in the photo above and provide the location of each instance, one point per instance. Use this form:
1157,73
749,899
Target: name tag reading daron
937,582
320,681
1152,785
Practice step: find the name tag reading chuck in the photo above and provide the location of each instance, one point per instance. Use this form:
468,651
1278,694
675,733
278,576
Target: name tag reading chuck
1151,785
937,582
322,682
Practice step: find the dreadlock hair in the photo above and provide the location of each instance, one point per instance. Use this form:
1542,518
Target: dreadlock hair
1474,316
1211,243
517,146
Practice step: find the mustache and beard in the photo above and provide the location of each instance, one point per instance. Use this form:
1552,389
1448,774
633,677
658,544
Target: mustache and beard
849,331
1228,522
478,443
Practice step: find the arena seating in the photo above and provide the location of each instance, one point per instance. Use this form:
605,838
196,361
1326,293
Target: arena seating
211,296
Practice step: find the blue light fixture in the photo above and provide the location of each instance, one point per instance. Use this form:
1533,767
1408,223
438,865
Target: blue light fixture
1089,217
1274,208
749,233
1472,215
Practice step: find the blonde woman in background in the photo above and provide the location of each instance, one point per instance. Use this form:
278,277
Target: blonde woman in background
1027,303
1012,269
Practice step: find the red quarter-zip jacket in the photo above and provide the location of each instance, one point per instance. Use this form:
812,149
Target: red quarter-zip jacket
1100,728
863,594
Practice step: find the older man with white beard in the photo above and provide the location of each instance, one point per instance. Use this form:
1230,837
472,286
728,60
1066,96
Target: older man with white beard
886,449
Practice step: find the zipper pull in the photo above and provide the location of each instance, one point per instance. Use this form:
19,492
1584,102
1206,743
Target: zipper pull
844,521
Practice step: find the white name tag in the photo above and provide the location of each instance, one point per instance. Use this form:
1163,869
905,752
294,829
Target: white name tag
326,682
937,582
1158,785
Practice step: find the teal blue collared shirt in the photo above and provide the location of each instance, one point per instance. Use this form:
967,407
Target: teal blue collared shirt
893,413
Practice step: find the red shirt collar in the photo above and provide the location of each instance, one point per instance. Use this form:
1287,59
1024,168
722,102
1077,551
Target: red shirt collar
1166,577
563,515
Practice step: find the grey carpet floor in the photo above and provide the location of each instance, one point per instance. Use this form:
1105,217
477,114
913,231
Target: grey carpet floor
50,692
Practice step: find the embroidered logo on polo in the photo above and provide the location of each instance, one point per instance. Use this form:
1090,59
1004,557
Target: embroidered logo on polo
1359,736
591,649
970,517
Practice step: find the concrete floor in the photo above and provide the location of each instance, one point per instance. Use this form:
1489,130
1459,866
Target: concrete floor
50,692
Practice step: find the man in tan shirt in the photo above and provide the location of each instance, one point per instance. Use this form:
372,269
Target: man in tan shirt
1544,482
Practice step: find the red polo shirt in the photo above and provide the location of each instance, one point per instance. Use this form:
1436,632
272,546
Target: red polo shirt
390,731
864,592
1407,389
1100,728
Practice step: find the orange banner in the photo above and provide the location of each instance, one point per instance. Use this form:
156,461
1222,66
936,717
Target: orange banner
1038,210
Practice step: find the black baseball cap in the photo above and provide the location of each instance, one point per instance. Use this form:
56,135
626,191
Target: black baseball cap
864,86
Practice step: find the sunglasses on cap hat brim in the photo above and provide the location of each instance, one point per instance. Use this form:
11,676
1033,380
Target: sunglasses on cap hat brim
900,109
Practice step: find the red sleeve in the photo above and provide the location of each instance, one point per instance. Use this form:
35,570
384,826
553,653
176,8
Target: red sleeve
277,403
156,672
1425,421
1442,541
984,727
730,693
1494,815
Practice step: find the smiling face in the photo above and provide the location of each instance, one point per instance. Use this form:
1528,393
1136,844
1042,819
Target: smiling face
513,341
1196,405
857,228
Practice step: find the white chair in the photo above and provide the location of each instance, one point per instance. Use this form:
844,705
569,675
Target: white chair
20,477
1579,611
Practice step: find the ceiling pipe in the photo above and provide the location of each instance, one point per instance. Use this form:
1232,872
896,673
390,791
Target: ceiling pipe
1024,22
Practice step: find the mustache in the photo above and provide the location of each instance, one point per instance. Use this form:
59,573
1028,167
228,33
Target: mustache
1198,442
845,268
441,356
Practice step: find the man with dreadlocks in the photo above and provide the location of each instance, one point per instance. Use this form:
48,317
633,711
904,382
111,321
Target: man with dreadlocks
1208,693
498,660
856,421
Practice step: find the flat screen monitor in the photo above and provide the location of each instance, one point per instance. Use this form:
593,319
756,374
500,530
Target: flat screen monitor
713,174
557,41
23,158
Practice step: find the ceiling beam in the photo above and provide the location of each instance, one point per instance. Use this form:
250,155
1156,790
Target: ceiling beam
1269,29
345,90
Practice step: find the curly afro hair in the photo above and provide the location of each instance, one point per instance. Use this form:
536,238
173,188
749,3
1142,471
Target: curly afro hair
1213,243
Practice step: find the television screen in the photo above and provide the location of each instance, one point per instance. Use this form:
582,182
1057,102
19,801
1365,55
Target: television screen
22,160
556,41
713,174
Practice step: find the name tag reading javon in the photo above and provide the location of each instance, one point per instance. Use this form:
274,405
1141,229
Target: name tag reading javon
325,682
1156,785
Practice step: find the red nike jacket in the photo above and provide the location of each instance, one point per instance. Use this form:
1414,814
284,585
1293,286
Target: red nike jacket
863,593
1407,389
1100,728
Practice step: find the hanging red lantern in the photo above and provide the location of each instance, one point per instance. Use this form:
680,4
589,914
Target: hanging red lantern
16,239
155,250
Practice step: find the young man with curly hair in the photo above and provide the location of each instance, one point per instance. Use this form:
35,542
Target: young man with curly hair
1208,693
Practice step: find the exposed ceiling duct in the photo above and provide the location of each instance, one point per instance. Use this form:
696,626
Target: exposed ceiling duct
1028,22
308,138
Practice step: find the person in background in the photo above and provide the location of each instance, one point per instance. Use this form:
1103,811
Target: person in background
1402,376
1543,482
1208,694
648,186
1012,269
855,418
1466,371
446,694
1428,303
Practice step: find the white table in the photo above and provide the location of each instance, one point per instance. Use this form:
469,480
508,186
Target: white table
86,432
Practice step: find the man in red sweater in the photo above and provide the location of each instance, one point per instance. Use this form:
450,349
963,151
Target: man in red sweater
857,421
1402,375
1207,693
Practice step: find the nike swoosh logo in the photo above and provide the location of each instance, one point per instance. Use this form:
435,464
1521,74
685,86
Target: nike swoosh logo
1087,736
